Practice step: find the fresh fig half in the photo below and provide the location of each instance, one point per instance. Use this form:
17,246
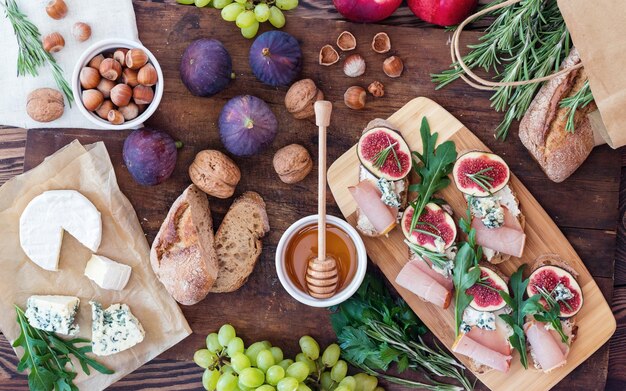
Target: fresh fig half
480,174
548,277
384,153
486,296
433,223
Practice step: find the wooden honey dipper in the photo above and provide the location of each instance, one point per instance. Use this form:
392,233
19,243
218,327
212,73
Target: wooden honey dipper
321,274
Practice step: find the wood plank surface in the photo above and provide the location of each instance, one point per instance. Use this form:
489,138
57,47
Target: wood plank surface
193,120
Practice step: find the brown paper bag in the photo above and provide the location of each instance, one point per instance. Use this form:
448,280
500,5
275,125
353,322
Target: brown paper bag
598,30
88,170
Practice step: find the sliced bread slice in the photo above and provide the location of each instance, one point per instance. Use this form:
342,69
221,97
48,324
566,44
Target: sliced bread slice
238,241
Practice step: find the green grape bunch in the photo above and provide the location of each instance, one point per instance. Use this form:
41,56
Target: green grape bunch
249,14
231,366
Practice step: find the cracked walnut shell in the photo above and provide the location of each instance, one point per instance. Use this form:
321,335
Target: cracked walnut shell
328,55
292,163
215,173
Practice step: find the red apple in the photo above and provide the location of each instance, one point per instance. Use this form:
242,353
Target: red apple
442,12
366,10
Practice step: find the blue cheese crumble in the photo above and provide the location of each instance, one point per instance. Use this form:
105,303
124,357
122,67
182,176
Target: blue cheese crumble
562,293
53,313
389,196
114,329
488,210
481,319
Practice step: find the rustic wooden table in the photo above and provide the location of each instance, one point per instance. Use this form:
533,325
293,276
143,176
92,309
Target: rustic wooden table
597,230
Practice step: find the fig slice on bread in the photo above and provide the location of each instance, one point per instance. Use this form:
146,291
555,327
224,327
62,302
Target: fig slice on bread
384,153
480,174
434,223
554,277
485,291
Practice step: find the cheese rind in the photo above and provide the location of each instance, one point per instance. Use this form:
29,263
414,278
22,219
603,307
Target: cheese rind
114,330
53,313
48,215
106,273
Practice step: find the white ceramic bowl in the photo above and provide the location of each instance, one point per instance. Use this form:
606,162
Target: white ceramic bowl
303,297
108,45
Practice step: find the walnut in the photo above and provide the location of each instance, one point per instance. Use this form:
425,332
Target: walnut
214,173
377,89
292,163
45,105
301,97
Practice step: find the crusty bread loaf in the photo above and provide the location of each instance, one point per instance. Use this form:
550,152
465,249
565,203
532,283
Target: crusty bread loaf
182,254
542,130
237,241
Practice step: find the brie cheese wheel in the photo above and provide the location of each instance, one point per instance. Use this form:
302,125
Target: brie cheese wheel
114,330
48,215
107,273
53,313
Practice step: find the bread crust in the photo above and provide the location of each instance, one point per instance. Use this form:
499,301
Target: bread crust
542,129
182,254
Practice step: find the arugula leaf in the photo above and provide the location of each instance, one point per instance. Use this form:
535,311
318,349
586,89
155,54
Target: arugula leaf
463,277
551,315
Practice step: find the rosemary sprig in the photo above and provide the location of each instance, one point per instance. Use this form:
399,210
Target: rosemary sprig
381,157
438,259
31,55
580,99
482,180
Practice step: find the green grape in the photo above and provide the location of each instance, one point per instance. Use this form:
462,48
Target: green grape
227,382
239,362
250,32
241,1
225,334
365,382
220,4
277,353
326,381
241,387
253,351
210,378
298,370
231,11
277,19
301,357
234,346
252,377
286,5
264,360
204,358
262,12
245,19
331,355
213,343
287,384
310,347
303,387
265,387
228,369
348,382
274,374
339,370
185,2
285,363
202,3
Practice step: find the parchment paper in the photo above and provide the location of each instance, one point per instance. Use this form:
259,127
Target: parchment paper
598,30
88,170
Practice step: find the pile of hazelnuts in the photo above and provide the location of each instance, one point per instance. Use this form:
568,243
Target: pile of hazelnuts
118,85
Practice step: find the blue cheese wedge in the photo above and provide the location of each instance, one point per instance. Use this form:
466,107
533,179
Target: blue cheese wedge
114,330
106,273
53,313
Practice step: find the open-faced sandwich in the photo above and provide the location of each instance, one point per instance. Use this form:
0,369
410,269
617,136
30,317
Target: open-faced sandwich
497,218
383,184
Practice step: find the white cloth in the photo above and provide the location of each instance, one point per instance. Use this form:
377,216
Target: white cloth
107,18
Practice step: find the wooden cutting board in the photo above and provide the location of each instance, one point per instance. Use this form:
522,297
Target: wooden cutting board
595,320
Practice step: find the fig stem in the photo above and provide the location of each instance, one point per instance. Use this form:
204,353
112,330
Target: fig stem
179,144
233,76
249,123
265,52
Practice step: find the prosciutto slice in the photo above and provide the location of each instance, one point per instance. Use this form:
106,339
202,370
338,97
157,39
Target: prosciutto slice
426,267
546,350
367,197
419,282
480,353
508,239
496,340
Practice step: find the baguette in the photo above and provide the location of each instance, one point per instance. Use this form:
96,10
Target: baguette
542,129
182,254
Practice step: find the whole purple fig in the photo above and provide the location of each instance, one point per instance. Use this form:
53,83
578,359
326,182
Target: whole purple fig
276,58
150,156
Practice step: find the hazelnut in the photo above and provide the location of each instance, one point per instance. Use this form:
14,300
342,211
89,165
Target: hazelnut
120,56
92,99
53,43
45,105
301,97
328,55
393,66
377,89
143,95
81,31
115,117
105,86
105,107
346,41
121,94
56,9
136,58
89,78
129,76
110,69
147,75
130,111
214,173
354,97
381,43
292,163
96,61
354,66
